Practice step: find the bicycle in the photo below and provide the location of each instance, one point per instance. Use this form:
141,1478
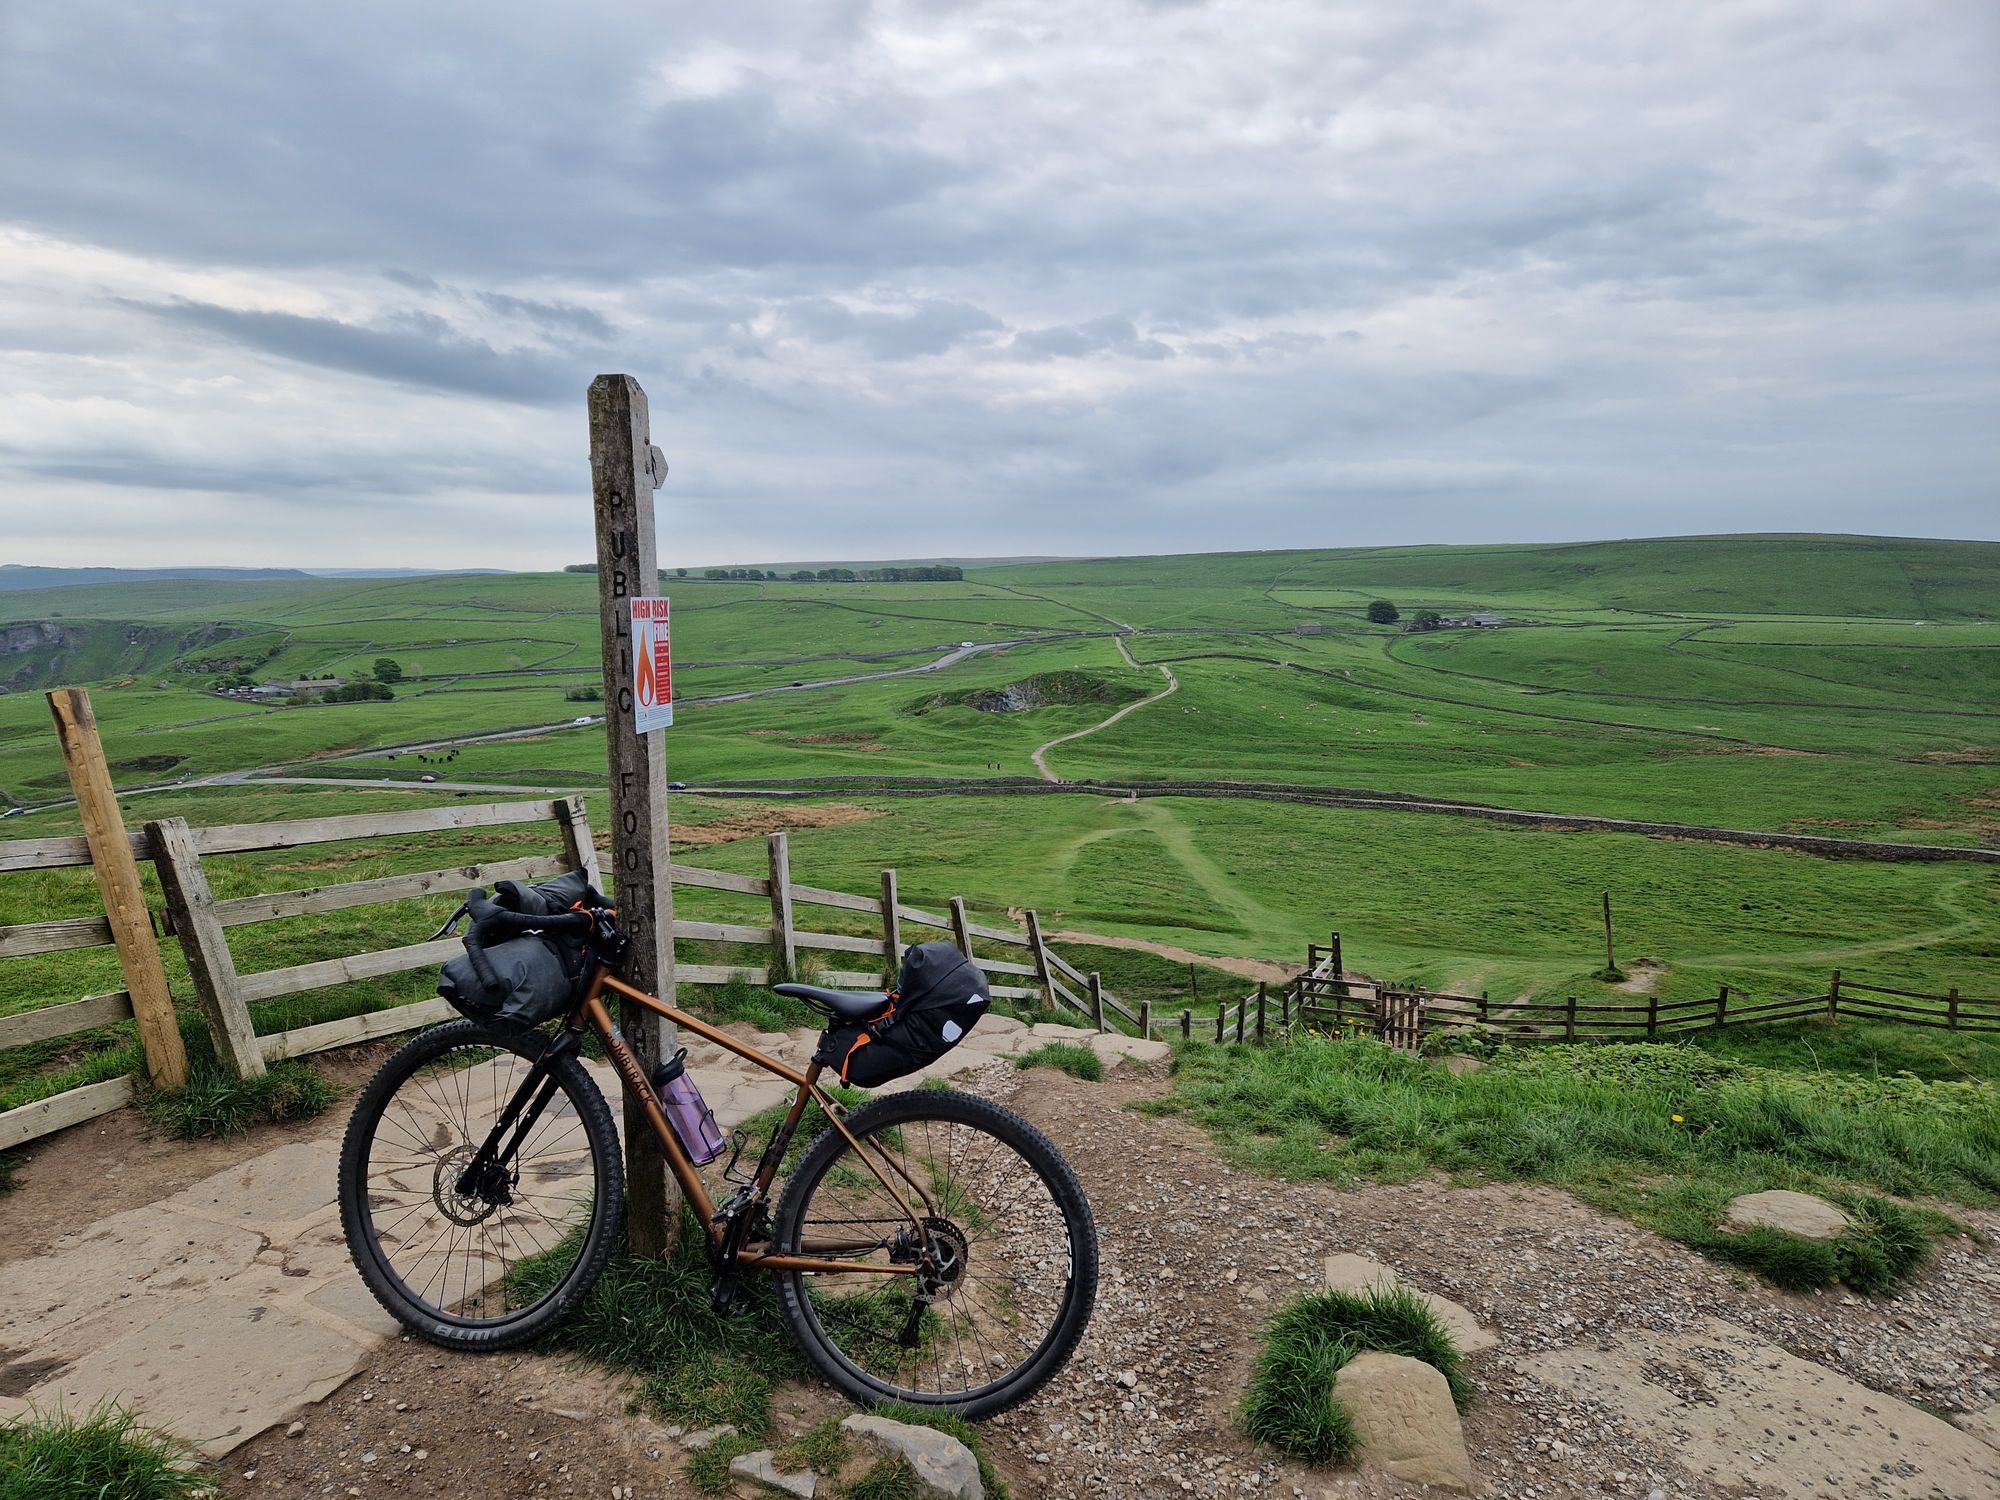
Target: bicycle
931,1247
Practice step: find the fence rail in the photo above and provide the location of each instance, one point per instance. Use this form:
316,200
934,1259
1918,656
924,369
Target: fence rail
201,923
1408,1016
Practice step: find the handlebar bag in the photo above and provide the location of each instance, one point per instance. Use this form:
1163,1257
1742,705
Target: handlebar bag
939,996
537,974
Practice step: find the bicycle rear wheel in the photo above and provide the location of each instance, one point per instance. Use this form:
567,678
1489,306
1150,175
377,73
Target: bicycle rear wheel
490,1263
1006,1231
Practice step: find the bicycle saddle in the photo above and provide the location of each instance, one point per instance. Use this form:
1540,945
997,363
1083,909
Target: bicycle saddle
842,1005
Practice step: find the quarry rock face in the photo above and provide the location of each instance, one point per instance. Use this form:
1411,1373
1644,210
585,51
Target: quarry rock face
1795,1213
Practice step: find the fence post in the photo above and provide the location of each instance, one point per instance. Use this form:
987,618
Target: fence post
192,907
1040,950
1722,1006
625,469
1261,998
1652,1014
1569,1020
958,933
782,946
1483,1021
1097,1002
117,875
1221,1020
579,844
1285,1007
1146,1019
892,927
1951,1009
1187,1025
1334,953
1833,997
1241,1006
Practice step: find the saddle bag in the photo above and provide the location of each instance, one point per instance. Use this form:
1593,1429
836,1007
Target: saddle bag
939,996
537,975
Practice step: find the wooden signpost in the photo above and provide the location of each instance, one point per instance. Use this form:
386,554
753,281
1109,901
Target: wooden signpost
625,469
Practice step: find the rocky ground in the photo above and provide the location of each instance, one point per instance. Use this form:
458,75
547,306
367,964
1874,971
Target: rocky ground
1625,1365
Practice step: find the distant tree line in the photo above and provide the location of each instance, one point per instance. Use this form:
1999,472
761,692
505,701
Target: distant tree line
930,573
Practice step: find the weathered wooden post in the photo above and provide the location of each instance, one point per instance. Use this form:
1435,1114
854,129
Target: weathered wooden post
579,844
1610,952
1333,953
625,469
117,875
1569,1020
1097,1002
961,932
892,927
783,949
1722,1006
191,906
1146,1017
1261,1001
1241,1006
1951,1009
1043,975
1221,1021
1652,1014
1833,997
1187,1025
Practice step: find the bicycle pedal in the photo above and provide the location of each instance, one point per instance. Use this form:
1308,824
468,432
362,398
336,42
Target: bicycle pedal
727,1297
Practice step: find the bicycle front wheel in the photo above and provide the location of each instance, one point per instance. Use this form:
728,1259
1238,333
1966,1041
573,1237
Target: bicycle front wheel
486,1259
979,1200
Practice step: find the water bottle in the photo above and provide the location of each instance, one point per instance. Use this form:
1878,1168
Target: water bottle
686,1111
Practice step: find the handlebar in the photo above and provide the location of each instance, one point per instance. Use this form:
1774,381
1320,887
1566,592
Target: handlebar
492,923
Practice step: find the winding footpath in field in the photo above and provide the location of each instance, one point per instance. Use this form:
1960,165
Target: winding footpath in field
1172,687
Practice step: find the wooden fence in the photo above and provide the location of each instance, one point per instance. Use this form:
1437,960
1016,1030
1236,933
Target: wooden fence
201,922
1406,1017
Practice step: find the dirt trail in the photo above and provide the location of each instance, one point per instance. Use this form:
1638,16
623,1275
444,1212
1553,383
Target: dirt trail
1172,687
1247,968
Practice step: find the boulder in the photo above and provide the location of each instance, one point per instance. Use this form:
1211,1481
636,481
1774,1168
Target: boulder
1801,1214
1357,1273
755,1476
1114,1045
1459,1063
944,1466
1403,1415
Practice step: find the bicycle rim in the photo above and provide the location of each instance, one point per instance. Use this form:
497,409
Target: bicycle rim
486,1256
1004,1225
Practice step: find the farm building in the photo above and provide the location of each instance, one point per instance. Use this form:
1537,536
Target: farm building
1309,627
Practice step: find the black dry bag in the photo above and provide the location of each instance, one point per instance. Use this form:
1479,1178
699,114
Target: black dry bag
535,975
938,997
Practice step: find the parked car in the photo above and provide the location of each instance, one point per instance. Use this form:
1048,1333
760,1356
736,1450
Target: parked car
581,719
677,786
427,777
798,684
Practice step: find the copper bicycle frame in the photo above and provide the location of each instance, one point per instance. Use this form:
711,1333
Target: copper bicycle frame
592,1011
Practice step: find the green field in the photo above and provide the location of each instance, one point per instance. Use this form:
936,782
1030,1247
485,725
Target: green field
1841,686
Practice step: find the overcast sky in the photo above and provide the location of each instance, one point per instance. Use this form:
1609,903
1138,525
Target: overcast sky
324,284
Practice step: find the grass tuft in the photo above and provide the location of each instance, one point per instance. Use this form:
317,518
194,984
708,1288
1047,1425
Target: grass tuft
655,1319
1077,1061
1290,1404
104,1454
708,1468
1664,1135
214,1104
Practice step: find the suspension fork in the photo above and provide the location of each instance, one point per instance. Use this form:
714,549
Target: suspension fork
521,1113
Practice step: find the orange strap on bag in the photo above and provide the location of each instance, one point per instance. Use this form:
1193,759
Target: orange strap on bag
868,1033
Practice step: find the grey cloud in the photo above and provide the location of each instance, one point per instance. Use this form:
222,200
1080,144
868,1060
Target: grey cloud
930,327
417,349
1107,335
